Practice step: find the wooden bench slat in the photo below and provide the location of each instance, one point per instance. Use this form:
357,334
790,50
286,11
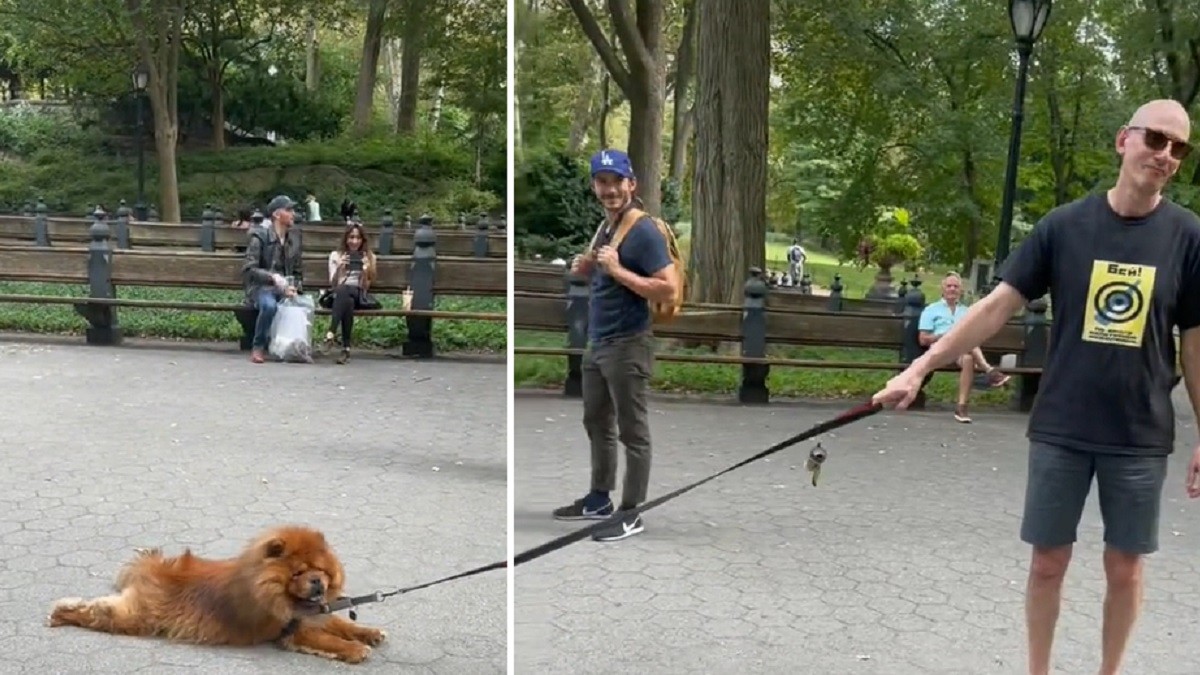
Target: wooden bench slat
228,307
484,277
824,329
187,236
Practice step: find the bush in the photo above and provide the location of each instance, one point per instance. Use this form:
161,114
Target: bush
555,210
415,176
29,130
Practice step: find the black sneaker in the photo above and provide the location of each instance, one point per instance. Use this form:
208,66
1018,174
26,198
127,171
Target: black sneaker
581,511
620,529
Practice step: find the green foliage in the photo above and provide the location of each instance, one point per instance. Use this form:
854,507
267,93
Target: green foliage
374,333
890,243
422,174
894,249
27,131
257,48
555,210
878,103
672,209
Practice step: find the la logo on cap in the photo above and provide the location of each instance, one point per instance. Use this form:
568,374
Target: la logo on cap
605,159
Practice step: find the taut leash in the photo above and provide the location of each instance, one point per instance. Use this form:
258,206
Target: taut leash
815,460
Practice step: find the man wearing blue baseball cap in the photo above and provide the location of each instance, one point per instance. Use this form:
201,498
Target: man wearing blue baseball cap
626,275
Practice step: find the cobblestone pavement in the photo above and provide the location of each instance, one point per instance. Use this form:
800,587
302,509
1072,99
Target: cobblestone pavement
905,559
402,464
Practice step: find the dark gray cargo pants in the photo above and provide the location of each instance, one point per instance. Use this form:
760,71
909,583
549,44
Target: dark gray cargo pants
616,379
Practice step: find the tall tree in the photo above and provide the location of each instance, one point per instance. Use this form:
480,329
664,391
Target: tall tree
157,32
642,78
729,185
413,45
364,98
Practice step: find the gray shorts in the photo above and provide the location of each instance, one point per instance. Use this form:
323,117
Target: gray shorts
1130,490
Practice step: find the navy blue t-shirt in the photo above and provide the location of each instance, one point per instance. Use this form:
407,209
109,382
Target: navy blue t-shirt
1118,286
614,310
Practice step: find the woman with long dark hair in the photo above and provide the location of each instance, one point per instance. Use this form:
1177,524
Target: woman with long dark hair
352,268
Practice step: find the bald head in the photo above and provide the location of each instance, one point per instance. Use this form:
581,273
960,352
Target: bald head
1152,146
1165,115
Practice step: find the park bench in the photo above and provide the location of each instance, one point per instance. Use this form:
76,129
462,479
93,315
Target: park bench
548,278
211,235
770,318
104,269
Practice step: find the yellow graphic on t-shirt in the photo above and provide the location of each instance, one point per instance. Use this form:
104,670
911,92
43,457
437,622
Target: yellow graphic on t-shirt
1118,302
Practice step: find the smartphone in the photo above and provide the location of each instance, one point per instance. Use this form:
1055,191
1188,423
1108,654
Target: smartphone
356,262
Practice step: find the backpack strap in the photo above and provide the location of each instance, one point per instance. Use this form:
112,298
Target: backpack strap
627,222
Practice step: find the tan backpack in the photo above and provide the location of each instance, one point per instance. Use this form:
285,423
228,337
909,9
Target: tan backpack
660,312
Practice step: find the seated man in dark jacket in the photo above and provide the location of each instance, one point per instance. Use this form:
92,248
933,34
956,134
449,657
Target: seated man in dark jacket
273,269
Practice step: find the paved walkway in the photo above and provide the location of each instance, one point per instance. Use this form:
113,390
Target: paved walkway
904,560
401,463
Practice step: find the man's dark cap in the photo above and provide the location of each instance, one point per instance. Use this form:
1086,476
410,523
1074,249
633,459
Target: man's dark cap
280,202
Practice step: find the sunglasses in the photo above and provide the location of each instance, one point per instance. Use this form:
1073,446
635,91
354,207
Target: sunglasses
1157,140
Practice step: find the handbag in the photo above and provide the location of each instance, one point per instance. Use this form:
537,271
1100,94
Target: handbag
364,301
367,301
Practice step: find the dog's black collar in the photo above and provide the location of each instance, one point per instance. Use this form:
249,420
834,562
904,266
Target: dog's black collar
289,629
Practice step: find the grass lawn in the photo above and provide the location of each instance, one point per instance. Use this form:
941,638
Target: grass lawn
377,332
824,383
823,266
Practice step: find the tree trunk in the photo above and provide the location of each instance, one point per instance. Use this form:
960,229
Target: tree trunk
312,56
439,100
974,233
642,78
391,73
729,184
216,85
410,67
518,142
645,143
685,62
157,30
581,112
166,140
605,109
364,97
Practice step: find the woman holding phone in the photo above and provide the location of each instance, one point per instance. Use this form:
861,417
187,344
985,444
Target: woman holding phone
352,268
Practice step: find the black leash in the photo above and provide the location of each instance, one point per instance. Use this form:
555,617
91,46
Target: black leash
815,460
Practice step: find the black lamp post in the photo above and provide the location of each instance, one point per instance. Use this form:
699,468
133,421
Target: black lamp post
141,77
1028,19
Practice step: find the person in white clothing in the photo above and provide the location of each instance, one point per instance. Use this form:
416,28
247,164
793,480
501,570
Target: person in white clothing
796,257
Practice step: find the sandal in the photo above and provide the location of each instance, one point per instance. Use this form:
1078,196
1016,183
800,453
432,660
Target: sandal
997,378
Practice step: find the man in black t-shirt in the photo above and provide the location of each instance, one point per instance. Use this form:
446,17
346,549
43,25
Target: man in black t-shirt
1122,270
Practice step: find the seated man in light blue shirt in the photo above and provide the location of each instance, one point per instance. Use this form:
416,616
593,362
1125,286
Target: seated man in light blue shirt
936,320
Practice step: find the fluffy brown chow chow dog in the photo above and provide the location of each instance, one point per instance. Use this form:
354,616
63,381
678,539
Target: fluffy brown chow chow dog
272,592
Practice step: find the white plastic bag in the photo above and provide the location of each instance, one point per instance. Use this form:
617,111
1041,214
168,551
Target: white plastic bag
291,331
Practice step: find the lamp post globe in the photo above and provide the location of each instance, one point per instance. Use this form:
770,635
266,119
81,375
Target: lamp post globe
1028,19
141,77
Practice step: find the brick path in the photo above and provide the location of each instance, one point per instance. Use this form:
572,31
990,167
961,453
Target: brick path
103,450
904,560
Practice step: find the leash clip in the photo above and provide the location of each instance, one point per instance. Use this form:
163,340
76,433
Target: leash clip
816,457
